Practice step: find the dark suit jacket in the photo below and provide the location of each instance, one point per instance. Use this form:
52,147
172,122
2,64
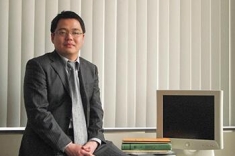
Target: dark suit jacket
48,104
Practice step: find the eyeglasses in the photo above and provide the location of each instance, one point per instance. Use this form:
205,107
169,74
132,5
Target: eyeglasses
64,33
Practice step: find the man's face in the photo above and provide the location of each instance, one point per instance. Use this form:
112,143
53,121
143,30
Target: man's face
68,38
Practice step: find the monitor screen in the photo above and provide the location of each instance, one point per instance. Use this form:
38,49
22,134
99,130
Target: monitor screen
192,119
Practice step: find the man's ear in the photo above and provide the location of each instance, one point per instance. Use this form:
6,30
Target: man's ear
83,38
52,37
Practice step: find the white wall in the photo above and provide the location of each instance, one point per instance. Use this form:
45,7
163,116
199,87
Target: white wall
229,137
9,143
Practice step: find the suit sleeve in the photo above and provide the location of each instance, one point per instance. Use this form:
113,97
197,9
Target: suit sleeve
40,119
95,129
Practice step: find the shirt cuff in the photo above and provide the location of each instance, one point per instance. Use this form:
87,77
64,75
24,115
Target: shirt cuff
96,140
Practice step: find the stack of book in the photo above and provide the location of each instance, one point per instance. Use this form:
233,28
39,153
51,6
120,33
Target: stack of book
147,146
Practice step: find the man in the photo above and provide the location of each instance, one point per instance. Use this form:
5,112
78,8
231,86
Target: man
49,96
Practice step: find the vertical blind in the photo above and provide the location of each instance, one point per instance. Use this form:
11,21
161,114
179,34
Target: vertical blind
139,46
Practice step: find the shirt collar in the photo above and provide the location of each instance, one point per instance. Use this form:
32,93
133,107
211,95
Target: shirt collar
65,60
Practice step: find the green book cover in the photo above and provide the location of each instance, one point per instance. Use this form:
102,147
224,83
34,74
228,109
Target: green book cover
146,146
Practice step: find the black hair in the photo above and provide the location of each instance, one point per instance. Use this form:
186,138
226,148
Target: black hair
67,15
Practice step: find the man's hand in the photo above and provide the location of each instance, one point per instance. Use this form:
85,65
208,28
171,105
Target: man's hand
90,146
77,150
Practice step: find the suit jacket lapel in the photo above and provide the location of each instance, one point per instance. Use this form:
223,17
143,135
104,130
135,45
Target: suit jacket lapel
81,74
59,67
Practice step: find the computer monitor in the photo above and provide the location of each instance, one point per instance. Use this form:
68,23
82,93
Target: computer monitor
192,119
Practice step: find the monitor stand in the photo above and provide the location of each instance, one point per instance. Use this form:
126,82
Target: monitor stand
194,152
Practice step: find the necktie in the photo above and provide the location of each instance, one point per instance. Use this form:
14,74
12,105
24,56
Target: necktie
78,117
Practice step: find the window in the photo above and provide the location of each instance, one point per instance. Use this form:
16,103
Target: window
139,46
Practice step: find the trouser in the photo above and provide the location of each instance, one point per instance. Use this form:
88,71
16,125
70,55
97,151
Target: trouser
105,149
108,149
